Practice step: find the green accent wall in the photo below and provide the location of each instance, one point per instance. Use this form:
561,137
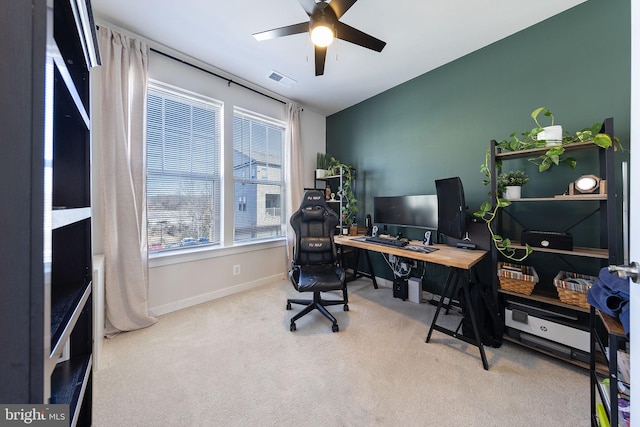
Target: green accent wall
440,124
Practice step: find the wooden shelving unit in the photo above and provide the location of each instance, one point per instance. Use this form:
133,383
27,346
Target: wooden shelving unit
604,252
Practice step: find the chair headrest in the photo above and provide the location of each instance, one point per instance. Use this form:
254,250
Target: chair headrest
313,214
313,198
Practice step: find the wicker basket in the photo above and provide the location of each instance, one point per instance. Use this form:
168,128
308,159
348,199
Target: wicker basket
572,288
517,278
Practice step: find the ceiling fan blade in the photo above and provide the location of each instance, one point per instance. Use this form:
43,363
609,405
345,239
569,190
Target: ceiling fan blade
340,7
350,34
321,54
302,27
307,5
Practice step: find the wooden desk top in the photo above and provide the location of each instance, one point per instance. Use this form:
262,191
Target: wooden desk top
445,255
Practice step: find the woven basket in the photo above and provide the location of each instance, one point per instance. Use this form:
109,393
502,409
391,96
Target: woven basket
517,278
572,288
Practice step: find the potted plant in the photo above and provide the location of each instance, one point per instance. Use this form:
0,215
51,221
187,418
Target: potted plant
322,164
510,184
540,136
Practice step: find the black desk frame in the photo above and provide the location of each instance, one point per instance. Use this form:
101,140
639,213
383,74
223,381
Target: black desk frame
453,278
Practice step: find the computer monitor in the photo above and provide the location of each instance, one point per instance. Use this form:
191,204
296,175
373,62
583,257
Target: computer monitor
452,215
419,211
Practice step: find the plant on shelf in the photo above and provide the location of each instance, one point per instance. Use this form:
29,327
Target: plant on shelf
345,193
503,244
488,212
322,164
516,179
554,155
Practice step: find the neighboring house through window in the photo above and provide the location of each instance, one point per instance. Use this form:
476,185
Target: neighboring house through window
258,159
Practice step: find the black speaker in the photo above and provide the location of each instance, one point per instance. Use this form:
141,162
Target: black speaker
400,288
452,215
369,224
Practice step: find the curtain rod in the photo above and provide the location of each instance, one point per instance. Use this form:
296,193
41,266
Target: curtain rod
229,81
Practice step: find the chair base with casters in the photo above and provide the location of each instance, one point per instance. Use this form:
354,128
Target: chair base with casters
317,279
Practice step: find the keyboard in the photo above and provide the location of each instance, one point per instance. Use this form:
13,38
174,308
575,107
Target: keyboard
397,243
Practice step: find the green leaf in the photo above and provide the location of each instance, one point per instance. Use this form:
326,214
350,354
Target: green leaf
534,113
555,159
571,162
545,165
602,140
503,203
485,206
556,150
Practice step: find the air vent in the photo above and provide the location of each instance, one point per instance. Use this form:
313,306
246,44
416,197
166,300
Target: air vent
281,79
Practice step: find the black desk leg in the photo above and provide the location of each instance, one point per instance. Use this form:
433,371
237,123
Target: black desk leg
447,284
454,274
373,276
467,298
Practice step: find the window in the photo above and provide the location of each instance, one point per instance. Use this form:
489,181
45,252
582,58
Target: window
183,169
258,147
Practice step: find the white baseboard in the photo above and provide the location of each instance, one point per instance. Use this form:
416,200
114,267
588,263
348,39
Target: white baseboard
199,299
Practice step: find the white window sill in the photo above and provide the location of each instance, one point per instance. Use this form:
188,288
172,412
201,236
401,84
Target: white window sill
160,259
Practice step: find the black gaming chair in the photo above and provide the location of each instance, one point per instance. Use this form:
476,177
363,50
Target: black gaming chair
314,266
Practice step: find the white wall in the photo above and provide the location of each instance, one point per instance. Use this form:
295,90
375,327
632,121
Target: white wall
179,281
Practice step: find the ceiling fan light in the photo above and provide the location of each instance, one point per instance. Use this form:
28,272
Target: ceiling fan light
321,35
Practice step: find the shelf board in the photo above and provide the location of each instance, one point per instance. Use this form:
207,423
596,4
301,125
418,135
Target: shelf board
65,312
548,353
535,152
325,178
613,325
561,197
62,216
68,383
546,297
577,251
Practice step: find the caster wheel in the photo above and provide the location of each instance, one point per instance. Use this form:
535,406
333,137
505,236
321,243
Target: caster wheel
346,307
335,327
292,327
288,306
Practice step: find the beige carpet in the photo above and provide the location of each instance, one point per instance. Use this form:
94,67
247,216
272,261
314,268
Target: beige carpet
234,362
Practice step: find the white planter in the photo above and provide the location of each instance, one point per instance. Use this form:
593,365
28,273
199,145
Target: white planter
551,134
321,173
512,192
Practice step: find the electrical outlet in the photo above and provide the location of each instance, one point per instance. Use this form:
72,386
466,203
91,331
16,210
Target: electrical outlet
236,269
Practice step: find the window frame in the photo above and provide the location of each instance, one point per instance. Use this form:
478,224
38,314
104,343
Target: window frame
258,179
178,94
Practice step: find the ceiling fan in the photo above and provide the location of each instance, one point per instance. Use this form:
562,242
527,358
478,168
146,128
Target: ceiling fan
324,26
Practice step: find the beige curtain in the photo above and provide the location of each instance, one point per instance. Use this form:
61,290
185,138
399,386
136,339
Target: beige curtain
120,148
293,170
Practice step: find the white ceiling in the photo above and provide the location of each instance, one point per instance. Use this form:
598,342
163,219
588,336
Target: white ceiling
421,35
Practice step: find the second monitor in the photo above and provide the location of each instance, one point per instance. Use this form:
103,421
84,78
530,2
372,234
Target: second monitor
419,211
